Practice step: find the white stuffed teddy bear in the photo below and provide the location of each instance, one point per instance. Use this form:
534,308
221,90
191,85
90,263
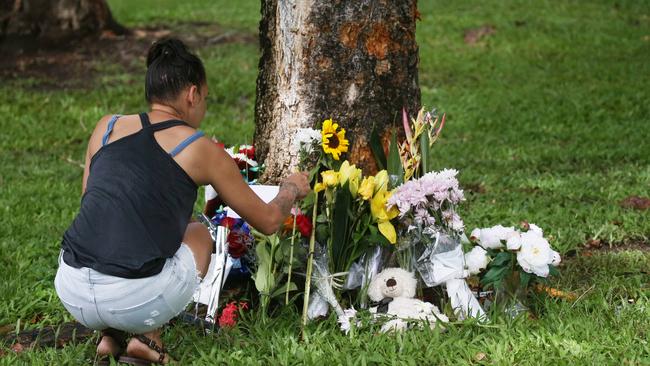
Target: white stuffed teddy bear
393,290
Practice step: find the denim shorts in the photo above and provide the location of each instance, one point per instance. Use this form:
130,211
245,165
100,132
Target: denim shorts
100,301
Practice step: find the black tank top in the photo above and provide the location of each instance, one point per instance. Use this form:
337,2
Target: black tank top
136,208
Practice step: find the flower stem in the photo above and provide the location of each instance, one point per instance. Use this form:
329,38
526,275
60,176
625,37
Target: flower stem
293,239
310,262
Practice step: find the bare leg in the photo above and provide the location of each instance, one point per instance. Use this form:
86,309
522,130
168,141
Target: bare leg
198,238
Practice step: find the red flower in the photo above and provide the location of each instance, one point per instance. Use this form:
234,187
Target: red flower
230,313
304,225
237,243
228,316
228,222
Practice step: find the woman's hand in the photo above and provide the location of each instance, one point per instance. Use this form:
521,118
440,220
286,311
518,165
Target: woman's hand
211,165
298,183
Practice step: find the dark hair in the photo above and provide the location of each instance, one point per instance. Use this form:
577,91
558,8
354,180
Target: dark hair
170,69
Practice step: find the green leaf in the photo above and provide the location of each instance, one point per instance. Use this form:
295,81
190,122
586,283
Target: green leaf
494,274
340,223
314,174
322,233
552,270
424,153
501,259
377,149
262,252
308,201
280,291
524,279
395,167
374,237
263,278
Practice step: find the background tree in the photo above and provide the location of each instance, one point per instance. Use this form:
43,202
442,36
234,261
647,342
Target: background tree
354,61
56,19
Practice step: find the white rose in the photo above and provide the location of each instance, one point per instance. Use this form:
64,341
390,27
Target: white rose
490,239
513,242
476,259
475,235
502,232
533,257
555,258
535,230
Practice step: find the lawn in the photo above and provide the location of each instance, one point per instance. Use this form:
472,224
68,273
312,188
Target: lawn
549,121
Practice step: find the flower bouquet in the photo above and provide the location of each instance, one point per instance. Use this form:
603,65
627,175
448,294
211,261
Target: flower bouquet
509,260
427,208
350,216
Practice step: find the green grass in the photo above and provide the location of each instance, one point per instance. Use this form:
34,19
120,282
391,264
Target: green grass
549,117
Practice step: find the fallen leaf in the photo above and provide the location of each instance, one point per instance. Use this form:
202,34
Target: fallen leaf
636,202
17,347
36,318
480,356
473,35
594,243
475,188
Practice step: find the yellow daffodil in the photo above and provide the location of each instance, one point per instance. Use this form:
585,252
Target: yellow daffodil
381,181
382,215
367,188
333,142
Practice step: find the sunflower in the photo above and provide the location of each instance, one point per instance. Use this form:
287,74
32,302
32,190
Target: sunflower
334,142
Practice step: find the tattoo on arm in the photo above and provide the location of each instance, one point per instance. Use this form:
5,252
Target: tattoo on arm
286,197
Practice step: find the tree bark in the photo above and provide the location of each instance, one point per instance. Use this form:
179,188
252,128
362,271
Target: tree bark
56,19
353,61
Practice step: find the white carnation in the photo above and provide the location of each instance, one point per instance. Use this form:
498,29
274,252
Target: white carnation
476,259
533,257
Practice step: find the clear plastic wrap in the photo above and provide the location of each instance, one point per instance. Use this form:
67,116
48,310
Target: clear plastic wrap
364,270
439,261
324,281
442,261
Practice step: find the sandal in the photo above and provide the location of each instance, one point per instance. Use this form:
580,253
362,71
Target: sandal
119,337
143,362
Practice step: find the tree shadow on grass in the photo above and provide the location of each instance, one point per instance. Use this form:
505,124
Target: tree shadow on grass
78,63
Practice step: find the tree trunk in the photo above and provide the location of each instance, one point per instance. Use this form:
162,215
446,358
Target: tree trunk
354,61
56,19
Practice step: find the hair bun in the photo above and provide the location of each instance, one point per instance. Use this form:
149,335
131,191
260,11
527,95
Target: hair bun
166,48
